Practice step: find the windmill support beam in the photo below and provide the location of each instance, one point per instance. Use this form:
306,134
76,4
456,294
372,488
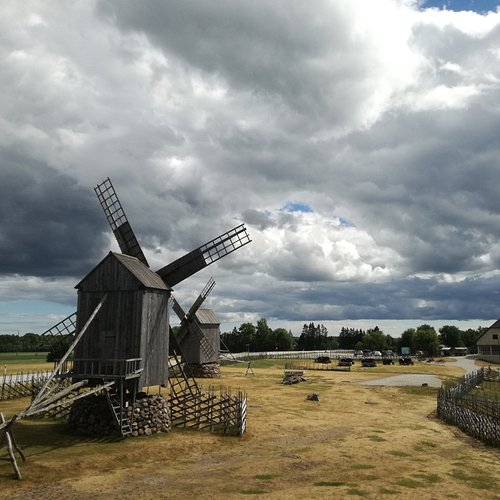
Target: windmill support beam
8,438
43,390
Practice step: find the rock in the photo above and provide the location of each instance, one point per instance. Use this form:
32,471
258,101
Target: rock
313,397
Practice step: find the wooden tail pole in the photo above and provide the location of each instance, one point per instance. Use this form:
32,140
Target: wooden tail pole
11,445
39,396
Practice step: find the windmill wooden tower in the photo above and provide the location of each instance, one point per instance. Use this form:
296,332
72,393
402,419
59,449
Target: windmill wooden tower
121,334
122,319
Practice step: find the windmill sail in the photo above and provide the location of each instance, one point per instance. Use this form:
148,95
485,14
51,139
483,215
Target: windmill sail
189,322
205,255
118,221
65,327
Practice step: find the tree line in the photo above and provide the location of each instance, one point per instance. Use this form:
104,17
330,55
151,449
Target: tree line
424,338
261,337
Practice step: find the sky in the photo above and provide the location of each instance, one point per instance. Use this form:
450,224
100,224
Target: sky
358,140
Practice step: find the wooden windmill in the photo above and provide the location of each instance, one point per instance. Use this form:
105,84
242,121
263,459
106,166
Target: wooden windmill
122,319
121,335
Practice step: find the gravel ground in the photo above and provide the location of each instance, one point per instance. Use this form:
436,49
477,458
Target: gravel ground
465,362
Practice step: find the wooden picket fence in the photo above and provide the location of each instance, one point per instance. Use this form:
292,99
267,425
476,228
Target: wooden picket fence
22,384
217,410
475,414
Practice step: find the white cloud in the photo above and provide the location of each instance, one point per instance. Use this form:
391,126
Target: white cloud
208,114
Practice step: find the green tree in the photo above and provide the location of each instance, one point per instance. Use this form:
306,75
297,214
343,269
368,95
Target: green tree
59,347
283,339
263,336
238,339
426,339
451,336
407,339
314,338
375,340
246,333
470,336
350,337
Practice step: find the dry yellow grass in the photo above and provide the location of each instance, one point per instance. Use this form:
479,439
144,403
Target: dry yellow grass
364,441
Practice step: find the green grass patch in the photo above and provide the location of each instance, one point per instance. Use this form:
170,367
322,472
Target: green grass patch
260,363
363,466
409,483
355,492
428,478
398,453
8,358
388,491
329,483
253,492
376,439
429,444
264,477
489,390
477,481
418,390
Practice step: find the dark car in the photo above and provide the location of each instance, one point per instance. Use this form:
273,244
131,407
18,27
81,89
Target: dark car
405,360
345,362
322,359
368,362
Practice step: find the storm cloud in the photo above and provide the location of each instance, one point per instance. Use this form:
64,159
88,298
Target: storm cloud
358,141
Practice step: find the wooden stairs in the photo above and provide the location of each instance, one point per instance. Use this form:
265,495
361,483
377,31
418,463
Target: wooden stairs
119,412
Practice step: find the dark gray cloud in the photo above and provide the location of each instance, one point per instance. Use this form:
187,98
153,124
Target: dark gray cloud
49,225
381,118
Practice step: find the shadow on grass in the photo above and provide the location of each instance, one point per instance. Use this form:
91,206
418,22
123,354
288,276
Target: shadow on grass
36,437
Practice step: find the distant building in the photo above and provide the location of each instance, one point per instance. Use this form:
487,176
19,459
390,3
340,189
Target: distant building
488,343
453,351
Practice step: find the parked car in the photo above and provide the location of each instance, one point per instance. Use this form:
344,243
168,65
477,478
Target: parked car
377,353
345,362
405,360
368,362
323,359
358,353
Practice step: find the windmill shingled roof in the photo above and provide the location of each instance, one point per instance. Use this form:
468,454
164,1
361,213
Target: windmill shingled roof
207,317
147,277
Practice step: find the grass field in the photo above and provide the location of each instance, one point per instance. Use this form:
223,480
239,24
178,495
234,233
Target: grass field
23,361
357,441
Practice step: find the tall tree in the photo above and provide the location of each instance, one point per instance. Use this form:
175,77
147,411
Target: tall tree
451,336
375,340
426,340
407,339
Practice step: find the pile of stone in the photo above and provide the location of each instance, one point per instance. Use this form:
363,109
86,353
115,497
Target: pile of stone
204,370
150,415
92,416
293,377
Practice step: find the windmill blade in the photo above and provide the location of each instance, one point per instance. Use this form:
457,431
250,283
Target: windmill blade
196,331
201,298
177,308
118,221
189,323
192,327
65,327
205,255
196,304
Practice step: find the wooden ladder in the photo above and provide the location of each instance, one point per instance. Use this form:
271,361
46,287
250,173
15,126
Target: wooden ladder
119,413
